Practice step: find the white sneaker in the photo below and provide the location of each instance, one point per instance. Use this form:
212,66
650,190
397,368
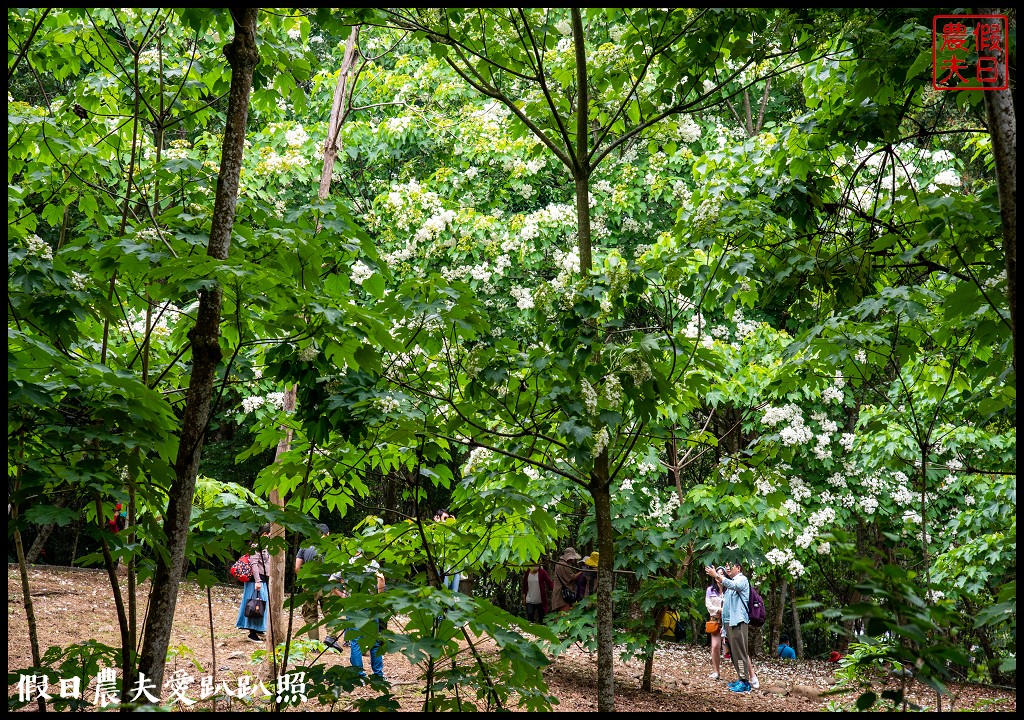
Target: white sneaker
713,676
755,683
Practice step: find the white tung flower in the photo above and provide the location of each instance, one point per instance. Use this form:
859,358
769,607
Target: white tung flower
600,442
360,272
38,247
589,397
251,403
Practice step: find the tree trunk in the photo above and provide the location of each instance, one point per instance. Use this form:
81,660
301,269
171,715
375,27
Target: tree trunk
844,639
778,611
600,489
1002,126
652,642
798,635
26,590
242,55
276,569
44,533
338,113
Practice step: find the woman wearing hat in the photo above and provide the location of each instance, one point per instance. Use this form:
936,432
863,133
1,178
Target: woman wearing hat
564,596
587,584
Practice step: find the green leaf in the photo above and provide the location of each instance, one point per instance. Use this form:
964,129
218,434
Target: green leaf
865,701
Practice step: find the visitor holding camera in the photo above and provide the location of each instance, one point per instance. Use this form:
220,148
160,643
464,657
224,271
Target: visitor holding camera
734,612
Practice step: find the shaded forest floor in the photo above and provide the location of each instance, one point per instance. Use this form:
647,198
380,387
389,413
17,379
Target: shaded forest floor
73,605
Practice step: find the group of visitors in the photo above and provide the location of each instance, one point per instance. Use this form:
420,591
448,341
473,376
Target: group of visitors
727,599
575,577
257,586
728,603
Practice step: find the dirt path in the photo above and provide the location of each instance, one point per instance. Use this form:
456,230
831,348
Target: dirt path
72,605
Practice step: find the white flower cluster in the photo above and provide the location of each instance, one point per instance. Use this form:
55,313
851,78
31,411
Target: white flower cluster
276,399
568,261
744,327
902,495
589,397
251,403
308,353
796,433
822,517
775,556
707,211
478,457
689,131
555,215
79,281
822,451
163,319
600,442
434,226
949,178
774,415
387,403
296,137
799,488
861,356
646,468
523,297
37,247
695,327
664,510
993,282
360,272
398,125
846,440
824,548
868,504
764,485
832,394
612,391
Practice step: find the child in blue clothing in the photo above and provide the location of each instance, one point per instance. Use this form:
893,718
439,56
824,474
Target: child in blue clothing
785,652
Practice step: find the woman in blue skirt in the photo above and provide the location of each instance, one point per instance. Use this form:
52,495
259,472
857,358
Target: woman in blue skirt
259,558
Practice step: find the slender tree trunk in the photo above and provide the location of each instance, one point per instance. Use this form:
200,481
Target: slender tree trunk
652,642
600,483
44,533
778,610
798,634
600,489
276,570
26,590
1002,126
338,112
242,54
